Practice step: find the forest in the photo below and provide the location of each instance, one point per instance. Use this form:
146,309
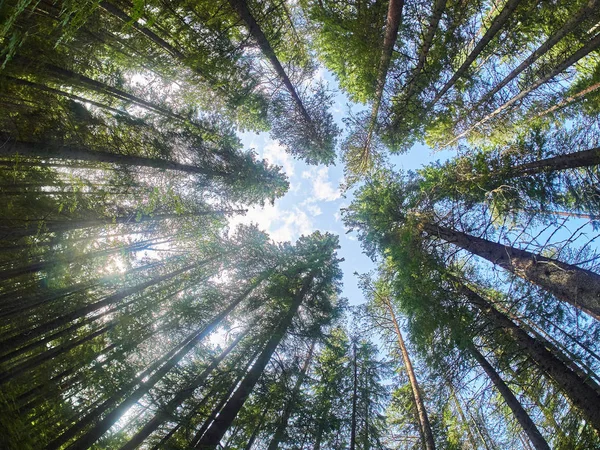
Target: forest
135,312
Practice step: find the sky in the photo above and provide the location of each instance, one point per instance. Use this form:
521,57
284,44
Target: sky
314,199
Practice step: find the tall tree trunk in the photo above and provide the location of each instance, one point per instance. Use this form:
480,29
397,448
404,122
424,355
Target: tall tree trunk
110,419
354,399
567,101
241,8
575,160
494,28
579,54
40,150
438,9
65,319
513,403
568,26
574,285
463,418
424,425
393,22
583,396
223,421
292,401
166,412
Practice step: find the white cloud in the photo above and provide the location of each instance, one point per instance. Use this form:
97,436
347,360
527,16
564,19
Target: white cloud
313,209
322,187
275,154
282,225
336,216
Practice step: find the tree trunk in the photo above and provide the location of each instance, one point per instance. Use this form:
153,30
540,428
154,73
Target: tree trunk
573,21
424,425
40,150
393,21
494,28
65,319
438,9
573,98
241,8
583,397
223,421
582,52
575,160
166,412
110,419
354,394
574,285
515,406
291,403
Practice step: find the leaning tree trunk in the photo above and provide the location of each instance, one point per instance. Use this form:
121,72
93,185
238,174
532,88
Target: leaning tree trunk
166,412
110,419
424,425
494,28
574,285
354,394
565,64
241,8
582,396
393,21
40,150
575,160
568,26
292,401
513,403
223,421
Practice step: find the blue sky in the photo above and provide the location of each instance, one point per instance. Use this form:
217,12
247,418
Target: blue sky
314,199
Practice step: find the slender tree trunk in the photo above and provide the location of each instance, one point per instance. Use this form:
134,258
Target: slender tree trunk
494,28
583,396
241,8
513,403
393,22
30,149
568,26
579,54
292,401
66,259
65,319
424,425
167,411
463,418
77,79
223,421
110,419
354,394
438,9
574,285
573,98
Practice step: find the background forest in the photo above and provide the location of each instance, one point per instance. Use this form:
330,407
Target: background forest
142,302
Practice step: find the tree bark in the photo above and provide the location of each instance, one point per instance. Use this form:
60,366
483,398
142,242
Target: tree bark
583,396
513,403
424,425
574,285
223,421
